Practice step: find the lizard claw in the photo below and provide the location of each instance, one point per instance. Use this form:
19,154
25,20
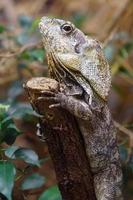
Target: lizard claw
47,98
47,93
56,105
52,96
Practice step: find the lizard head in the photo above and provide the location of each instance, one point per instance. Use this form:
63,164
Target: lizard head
61,36
70,53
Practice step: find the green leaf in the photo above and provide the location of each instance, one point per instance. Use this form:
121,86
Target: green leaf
6,122
8,130
33,55
37,54
34,25
2,28
9,152
7,178
78,19
10,134
125,72
3,111
4,108
2,197
51,193
32,182
126,49
28,155
25,21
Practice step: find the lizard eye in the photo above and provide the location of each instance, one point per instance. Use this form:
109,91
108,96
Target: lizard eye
67,28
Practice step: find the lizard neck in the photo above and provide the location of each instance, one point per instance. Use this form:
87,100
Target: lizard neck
58,72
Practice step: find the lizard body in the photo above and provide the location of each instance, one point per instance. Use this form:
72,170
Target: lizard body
78,62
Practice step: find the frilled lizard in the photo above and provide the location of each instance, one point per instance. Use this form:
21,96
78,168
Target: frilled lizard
78,62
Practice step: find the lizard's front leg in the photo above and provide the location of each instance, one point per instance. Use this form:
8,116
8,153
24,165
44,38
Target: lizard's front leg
74,105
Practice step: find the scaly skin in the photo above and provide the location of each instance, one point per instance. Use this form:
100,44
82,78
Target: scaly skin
78,62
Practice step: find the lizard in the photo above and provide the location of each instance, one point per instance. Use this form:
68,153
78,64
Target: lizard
78,62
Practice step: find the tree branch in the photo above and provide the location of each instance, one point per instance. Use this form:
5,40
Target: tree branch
64,142
22,49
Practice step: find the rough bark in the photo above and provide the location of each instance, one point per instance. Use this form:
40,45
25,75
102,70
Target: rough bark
64,142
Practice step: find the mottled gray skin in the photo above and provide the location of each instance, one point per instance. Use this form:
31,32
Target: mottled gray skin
78,62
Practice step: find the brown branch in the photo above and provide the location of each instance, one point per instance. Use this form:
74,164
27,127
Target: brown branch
116,21
22,49
126,131
64,142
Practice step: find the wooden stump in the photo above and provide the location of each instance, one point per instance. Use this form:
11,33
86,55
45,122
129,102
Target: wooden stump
64,142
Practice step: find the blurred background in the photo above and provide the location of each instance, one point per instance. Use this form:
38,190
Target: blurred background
22,57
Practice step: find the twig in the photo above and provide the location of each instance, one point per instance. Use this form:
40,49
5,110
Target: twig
126,131
9,10
22,49
115,24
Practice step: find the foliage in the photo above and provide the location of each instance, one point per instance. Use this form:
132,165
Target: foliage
9,173
8,130
51,194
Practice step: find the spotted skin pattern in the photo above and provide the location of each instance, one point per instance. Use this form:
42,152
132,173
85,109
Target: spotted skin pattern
78,62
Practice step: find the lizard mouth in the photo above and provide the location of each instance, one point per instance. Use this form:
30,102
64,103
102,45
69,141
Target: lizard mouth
43,25
43,28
